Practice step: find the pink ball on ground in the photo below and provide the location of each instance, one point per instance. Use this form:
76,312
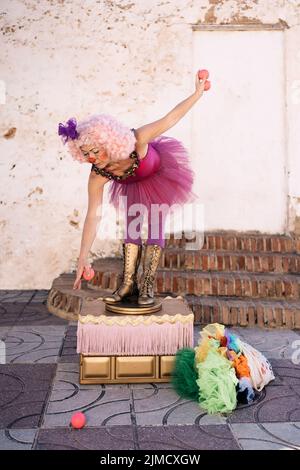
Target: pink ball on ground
78,420
88,274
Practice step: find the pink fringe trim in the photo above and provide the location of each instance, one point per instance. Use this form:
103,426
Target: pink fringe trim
134,340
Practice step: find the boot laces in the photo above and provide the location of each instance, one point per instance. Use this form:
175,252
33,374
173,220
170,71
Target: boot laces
147,286
128,278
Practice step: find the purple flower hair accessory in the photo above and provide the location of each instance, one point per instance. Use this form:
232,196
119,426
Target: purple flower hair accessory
69,130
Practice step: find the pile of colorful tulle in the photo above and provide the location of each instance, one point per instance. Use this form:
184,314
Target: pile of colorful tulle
221,372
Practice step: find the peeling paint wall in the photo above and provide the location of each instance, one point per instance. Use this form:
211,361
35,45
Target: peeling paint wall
72,58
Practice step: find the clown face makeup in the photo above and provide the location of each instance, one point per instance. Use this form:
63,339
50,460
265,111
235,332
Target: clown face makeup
94,154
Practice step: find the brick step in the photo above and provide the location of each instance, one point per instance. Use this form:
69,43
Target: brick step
229,284
66,303
237,241
245,312
222,260
180,282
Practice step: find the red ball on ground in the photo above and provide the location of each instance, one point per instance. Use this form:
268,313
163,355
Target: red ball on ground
78,420
203,74
88,274
207,85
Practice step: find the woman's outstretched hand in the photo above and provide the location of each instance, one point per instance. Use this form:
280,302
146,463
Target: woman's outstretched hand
199,85
80,268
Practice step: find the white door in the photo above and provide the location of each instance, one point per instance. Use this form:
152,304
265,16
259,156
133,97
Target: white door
238,131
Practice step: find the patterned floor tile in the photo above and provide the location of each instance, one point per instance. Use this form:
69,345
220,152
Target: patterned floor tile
49,332
151,385
4,330
22,296
37,344
26,377
67,378
17,439
186,437
111,438
40,296
71,332
267,436
37,313
165,407
276,404
287,372
274,344
10,313
102,407
68,353
22,409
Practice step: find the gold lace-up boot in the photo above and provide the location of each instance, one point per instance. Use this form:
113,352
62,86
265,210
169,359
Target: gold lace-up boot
150,265
131,260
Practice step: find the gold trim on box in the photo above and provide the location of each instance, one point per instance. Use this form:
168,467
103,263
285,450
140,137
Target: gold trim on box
96,367
137,320
166,365
125,369
135,366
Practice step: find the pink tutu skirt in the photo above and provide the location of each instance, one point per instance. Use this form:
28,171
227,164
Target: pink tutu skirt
164,176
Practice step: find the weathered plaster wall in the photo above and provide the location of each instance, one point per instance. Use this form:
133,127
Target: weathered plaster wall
131,59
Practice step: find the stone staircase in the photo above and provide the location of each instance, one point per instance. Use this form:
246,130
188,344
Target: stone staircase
235,279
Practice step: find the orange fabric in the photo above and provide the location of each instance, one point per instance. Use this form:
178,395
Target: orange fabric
240,364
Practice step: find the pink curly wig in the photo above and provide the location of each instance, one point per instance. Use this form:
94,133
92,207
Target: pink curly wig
105,132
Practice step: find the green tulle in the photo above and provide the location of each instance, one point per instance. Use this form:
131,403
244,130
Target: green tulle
184,374
216,383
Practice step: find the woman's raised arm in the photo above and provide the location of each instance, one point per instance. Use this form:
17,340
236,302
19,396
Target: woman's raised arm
150,131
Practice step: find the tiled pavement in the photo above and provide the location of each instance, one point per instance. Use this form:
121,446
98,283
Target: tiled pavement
40,391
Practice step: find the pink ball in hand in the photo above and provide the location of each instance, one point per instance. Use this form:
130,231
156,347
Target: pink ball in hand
207,85
203,74
88,274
